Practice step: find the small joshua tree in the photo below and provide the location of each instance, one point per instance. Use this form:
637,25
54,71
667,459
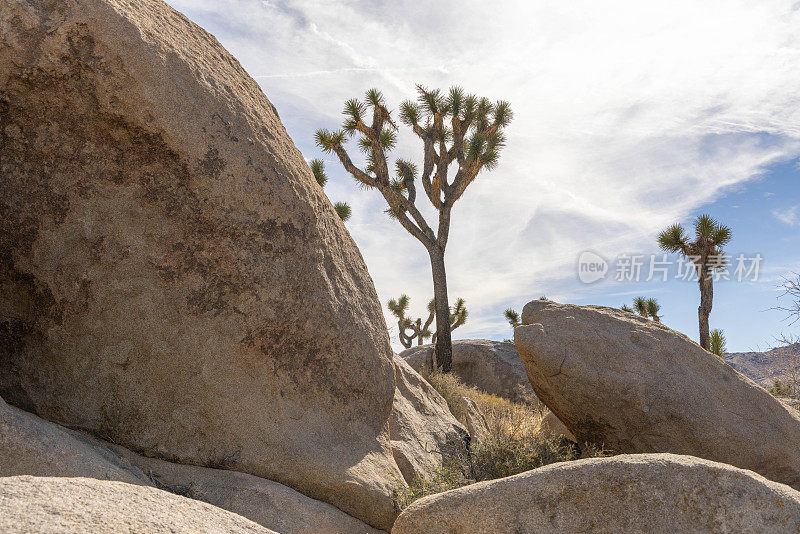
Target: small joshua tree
644,308
640,306
456,129
653,307
717,343
706,254
318,169
418,330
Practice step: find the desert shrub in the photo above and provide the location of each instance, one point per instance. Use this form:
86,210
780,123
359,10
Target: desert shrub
781,389
509,450
451,475
512,445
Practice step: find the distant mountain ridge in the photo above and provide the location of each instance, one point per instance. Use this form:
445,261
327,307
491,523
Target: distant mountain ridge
765,367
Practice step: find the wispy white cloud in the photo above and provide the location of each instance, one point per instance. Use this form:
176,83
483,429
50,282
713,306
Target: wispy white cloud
629,115
788,216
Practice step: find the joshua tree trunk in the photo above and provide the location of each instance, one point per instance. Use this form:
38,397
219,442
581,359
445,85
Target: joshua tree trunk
704,310
444,348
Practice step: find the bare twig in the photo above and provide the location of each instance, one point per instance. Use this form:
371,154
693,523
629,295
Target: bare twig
791,289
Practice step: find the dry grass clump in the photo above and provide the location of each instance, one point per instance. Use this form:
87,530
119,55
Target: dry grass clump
500,413
511,445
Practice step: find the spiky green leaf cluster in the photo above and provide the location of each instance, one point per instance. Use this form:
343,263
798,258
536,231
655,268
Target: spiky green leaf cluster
318,169
458,312
354,111
410,112
717,343
343,210
327,140
653,307
640,306
512,317
673,239
374,97
388,139
708,229
399,306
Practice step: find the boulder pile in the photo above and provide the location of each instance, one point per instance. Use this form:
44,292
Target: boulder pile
635,386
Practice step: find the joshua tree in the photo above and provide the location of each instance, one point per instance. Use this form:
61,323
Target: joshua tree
717,343
653,307
706,254
420,331
318,168
512,317
626,308
640,306
455,129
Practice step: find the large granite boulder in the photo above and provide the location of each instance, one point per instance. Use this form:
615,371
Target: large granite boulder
491,366
633,385
81,505
171,275
631,493
30,445
422,429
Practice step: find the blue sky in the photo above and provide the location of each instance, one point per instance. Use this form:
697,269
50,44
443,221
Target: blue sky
629,116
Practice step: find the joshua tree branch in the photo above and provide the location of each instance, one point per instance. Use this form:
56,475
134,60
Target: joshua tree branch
429,162
357,173
405,339
422,232
429,320
465,176
399,206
